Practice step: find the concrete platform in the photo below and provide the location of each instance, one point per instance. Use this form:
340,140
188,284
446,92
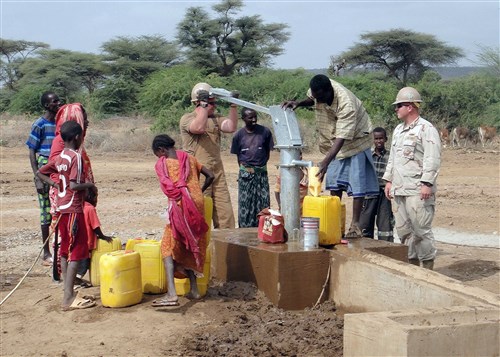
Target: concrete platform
291,277
457,331
392,308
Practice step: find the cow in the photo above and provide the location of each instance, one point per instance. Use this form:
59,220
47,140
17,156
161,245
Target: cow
486,133
444,134
459,133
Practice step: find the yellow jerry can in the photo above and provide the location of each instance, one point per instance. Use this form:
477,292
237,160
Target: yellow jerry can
154,280
328,210
121,284
101,248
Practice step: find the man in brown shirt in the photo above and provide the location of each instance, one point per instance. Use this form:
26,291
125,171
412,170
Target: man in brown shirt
201,135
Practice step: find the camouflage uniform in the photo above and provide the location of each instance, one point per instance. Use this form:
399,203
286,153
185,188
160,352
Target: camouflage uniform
415,157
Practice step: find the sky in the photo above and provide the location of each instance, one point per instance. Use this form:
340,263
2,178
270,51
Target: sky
318,29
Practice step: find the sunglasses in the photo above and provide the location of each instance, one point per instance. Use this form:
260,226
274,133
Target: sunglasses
399,105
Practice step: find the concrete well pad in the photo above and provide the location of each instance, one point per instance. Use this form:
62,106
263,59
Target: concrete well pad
392,308
292,278
364,281
456,331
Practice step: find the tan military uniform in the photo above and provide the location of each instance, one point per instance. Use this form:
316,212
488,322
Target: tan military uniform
415,157
206,148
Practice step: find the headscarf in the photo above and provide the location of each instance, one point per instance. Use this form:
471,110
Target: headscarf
187,223
71,112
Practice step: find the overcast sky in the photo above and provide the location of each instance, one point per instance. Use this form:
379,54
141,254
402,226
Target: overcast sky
318,29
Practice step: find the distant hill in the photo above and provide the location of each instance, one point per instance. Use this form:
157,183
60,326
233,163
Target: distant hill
444,72
454,72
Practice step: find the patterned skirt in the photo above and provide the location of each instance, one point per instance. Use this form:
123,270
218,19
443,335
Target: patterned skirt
253,195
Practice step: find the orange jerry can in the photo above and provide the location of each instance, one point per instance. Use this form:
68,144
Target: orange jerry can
328,210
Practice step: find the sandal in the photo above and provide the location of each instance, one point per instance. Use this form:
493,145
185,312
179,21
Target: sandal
79,303
47,262
354,232
165,302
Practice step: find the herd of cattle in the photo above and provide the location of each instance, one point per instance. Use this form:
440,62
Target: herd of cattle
461,136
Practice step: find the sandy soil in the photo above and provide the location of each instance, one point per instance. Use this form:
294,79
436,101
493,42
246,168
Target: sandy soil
234,319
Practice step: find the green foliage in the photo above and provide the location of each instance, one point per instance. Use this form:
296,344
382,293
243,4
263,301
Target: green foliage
166,95
227,44
488,57
468,101
27,100
403,54
13,53
66,72
136,58
118,96
270,87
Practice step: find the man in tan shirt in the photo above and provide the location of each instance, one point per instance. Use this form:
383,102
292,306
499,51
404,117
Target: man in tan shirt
411,175
201,135
344,129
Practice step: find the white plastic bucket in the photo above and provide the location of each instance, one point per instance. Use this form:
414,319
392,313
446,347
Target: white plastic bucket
310,231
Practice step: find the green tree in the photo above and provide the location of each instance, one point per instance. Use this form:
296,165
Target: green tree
166,95
227,44
488,57
13,53
66,72
136,58
402,54
118,96
27,100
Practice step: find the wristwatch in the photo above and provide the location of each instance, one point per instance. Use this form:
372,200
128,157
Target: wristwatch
203,104
426,184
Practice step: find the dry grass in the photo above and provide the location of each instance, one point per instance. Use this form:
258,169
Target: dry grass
110,135
123,134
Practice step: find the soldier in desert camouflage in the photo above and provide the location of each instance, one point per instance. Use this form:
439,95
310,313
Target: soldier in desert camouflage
411,173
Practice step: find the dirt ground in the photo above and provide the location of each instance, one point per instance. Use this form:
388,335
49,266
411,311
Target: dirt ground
234,319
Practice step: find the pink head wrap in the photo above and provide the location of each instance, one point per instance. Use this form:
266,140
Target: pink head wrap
70,112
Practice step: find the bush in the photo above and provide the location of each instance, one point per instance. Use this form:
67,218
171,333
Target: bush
27,100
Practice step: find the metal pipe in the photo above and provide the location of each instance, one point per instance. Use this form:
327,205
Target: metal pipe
289,195
289,142
226,95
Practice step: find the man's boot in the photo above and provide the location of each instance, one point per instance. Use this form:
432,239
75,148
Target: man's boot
428,264
414,262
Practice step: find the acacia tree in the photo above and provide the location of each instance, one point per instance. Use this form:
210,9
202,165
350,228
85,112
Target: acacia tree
64,71
136,58
13,53
403,54
227,44
488,57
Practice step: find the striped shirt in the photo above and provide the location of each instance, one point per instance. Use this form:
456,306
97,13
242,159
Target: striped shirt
346,118
41,136
380,162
